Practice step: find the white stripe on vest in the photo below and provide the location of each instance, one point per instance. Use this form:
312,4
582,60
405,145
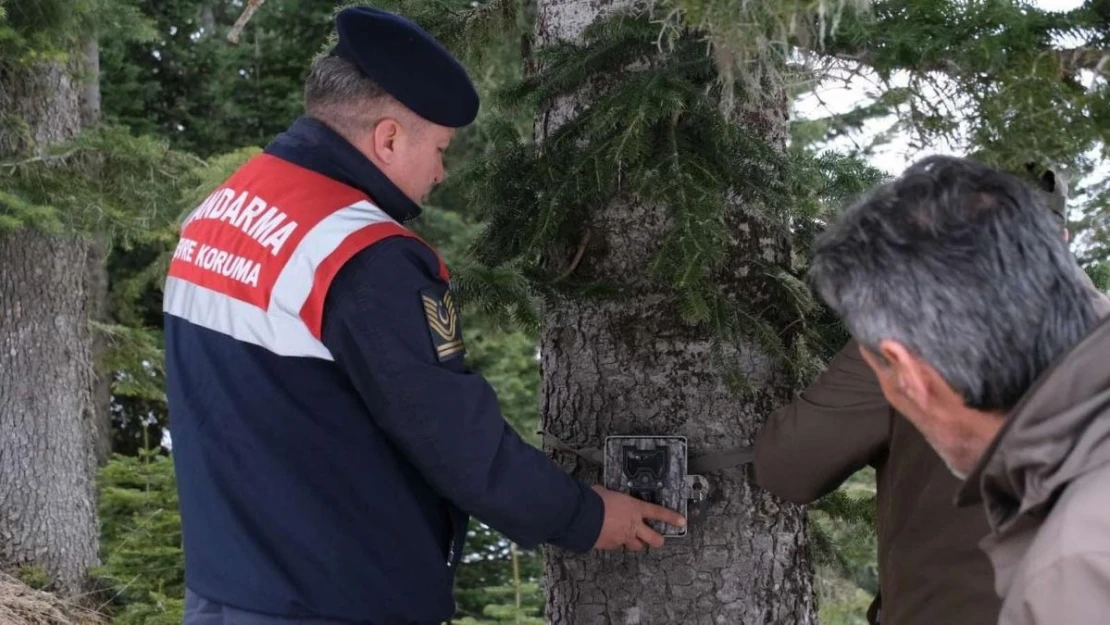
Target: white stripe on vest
279,328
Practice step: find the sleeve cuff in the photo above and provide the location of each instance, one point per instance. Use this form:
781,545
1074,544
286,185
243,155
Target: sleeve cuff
581,534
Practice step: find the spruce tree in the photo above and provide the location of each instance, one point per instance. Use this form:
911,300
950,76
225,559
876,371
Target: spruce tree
68,189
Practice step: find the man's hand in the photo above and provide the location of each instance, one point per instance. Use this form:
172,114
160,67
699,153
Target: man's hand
624,523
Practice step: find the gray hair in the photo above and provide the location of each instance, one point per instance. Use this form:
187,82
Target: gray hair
965,267
342,97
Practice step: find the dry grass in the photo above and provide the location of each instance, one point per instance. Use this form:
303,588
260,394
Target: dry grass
22,605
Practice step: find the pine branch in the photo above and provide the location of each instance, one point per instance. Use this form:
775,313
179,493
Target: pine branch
840,506
135,357
42,158
104,181
469,31
1066,61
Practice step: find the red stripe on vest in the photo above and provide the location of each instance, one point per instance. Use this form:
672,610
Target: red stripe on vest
263,190
313,311
217,253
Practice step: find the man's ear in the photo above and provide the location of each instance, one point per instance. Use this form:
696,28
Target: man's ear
907,371
384,140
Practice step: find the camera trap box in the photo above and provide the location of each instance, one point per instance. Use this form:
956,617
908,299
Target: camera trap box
653,469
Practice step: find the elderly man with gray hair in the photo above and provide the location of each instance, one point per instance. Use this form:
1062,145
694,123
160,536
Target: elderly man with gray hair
985,333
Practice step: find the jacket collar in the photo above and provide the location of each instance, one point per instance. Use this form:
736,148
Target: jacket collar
1059,431
313,145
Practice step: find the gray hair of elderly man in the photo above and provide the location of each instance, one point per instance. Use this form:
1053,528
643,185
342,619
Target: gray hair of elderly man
963,265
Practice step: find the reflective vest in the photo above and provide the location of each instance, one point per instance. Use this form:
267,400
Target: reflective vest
256,258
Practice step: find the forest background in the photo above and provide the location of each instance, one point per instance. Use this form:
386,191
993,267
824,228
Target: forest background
179,107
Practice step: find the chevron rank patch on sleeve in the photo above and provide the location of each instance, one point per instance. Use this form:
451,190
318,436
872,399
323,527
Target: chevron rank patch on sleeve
444,323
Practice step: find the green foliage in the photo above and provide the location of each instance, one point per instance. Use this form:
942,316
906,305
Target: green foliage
104,182
752,42
140,540
1100,275
34,576
992,67
17,212
657,134
135,356
1091,230
500,294
1005,80
486,580
499,606
842,538
841,506
475,32
839,601
125,190
37,30
203,94
209,97
826,129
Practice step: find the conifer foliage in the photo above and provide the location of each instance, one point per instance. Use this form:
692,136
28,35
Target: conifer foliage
657,131
668,87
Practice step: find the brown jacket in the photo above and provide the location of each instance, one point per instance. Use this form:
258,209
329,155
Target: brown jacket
931,570
1045,485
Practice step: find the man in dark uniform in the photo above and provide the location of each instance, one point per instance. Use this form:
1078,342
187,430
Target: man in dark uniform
330,444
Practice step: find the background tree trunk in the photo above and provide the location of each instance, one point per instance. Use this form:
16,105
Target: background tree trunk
52,405
39,106
631,366
90,78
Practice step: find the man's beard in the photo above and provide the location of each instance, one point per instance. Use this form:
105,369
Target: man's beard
959,474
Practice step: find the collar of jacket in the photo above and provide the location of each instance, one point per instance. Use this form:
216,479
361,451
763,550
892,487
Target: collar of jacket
312,145
1059,431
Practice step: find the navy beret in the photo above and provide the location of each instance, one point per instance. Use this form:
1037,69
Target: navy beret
408,63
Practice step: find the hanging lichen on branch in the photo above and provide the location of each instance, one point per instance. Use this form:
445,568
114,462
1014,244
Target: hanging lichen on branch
655,132
755,44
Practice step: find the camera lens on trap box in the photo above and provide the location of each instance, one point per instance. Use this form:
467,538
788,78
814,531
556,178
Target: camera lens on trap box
645,470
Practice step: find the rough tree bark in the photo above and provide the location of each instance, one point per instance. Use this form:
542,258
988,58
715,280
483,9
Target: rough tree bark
52,405
632,367
89,101
90,93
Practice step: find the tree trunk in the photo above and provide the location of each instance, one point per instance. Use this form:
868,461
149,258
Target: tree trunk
631,366
52,402
47,412
90,91
89,101
39,107
98,310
